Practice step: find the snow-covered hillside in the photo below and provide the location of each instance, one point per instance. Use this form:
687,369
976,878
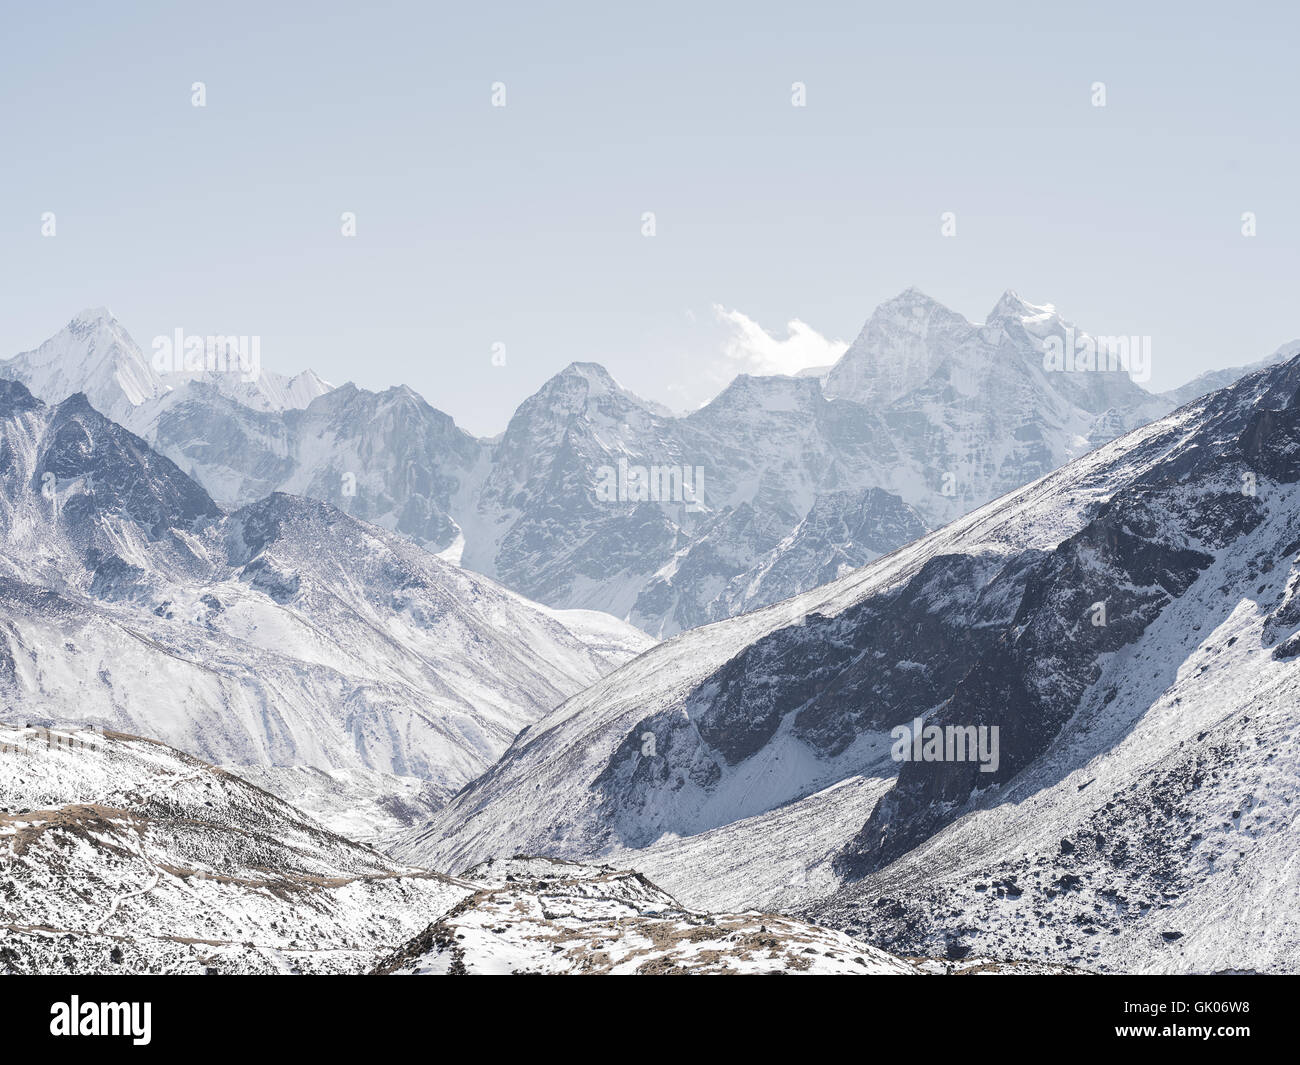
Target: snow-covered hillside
540,916
555,918
1128,624
286,633
365,805
122,855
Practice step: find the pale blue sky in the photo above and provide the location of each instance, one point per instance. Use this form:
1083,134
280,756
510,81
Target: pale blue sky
522,225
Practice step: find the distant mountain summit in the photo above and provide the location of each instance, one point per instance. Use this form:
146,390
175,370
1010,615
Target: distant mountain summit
95,355
902,345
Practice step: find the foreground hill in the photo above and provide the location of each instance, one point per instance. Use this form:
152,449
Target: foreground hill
118,854
540,916
122,855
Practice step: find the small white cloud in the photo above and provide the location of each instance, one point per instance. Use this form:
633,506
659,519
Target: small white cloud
751,349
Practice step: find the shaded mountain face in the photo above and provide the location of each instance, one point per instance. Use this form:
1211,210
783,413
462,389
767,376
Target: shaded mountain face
71,463
285,633
1125,628
595,498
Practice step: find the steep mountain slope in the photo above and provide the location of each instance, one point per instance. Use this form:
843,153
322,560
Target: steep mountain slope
1158,834
121,855
286,633
1127,625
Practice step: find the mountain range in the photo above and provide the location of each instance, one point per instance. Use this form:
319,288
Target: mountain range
774,487
446,646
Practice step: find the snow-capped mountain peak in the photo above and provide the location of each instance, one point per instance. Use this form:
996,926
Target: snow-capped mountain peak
596,376
90,316
1011,306
92,354
901,346
588,383
95,355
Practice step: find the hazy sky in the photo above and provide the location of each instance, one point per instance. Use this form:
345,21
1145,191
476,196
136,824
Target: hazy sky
522,225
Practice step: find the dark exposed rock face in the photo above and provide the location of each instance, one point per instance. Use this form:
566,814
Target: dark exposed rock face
116,473
1031,680
113,576
1271,443
827,680
1135,557
854,672
1012,642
